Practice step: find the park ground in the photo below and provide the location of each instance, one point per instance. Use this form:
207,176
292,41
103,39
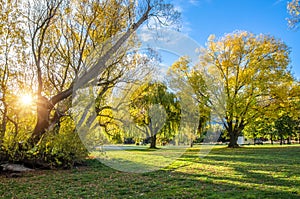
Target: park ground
248,172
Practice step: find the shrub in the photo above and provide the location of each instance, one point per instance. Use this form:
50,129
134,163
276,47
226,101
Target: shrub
59,147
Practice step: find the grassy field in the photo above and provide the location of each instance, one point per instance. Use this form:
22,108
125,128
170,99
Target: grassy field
248,172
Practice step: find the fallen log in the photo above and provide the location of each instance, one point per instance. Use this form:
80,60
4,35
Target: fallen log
8,167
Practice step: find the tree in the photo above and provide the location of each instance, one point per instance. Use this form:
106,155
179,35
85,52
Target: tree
110,101
54,47
187,85
262,126
293,8
61,46
244,74
12,44
285,104
285,127
156,111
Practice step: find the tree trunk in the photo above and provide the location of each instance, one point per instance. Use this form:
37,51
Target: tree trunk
281,140
233,140
192,143
289,140
271,139
233,135
234,132
43,119
153,142
4,119
3,126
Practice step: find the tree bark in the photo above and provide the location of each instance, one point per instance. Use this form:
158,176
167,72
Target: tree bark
234,132
271,139
3,124
43,119
233,135
153,142
233,140
4,116
289,140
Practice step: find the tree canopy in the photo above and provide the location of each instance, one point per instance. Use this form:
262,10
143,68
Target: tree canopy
156,110
240,77
294,11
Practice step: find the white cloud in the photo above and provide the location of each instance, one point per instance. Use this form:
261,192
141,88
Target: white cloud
277,2
194,2
178,8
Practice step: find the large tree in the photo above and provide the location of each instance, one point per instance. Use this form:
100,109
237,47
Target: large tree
69,36
240,76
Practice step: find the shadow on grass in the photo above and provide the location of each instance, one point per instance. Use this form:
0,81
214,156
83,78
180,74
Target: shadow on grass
222,174
253,173
271,171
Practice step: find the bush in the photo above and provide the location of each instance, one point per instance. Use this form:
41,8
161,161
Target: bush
63,148
59,147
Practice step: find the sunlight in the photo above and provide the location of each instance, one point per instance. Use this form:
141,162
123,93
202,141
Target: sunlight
26,99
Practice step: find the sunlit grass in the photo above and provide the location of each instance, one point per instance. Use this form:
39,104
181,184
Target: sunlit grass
138,159
249,172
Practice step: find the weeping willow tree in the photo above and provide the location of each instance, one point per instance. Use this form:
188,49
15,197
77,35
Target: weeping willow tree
156,111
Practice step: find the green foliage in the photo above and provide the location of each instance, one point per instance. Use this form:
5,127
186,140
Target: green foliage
17,129
261,127
156,109
59,147
63,149
285,126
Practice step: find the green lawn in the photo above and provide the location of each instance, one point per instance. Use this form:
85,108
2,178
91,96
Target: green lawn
249,172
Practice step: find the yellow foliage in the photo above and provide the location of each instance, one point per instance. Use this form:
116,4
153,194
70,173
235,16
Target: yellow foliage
251,70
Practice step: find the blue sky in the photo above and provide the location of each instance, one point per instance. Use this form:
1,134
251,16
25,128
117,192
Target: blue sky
204,17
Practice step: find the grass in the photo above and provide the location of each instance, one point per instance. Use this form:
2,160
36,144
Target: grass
248,172
139,159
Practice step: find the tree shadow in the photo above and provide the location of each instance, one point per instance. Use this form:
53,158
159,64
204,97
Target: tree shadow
252,178
188,177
